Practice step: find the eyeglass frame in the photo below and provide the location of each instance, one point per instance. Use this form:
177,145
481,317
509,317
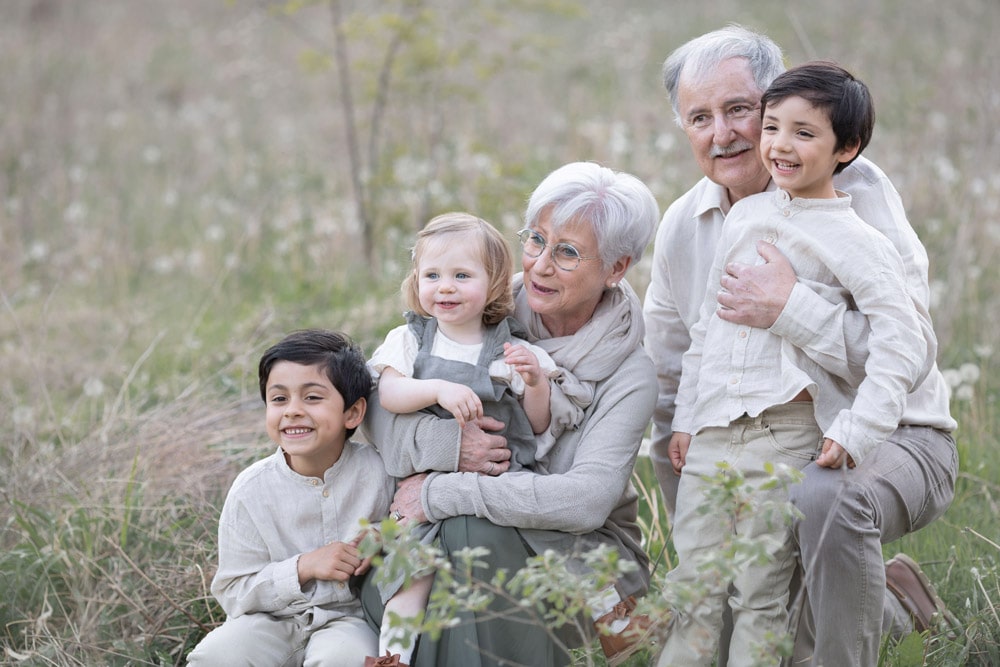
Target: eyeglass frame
527,234
732,116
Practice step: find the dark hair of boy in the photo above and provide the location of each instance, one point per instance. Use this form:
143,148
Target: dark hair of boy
828,86
338,355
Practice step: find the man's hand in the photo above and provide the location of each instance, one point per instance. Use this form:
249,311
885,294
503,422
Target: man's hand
481,451
833,455
677,450
406,504
755,295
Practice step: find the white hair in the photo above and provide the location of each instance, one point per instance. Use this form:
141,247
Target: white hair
702,54
619,207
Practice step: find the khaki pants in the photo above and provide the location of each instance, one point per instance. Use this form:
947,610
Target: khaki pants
786,434
268,641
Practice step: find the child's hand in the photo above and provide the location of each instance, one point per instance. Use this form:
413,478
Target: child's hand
677,450
365,562
833,455
336,561
460,401
524,361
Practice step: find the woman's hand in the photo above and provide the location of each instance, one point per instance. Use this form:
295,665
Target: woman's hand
406,503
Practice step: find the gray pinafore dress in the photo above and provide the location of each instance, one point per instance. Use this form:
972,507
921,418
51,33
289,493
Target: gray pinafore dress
498,400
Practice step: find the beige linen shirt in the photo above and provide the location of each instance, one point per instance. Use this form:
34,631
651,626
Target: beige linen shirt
732,370
272,515
684,248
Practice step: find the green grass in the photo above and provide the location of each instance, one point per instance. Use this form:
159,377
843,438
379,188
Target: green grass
175,195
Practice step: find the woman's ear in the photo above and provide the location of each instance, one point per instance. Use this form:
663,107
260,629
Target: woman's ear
619,268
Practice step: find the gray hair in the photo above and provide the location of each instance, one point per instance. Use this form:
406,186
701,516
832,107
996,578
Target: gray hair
619,207
702,54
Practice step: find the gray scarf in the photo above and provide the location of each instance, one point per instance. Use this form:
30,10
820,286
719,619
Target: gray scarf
590,355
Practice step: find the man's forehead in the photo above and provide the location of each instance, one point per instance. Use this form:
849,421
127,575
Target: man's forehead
731,82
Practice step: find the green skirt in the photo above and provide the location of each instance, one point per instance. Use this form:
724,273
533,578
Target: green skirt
500,635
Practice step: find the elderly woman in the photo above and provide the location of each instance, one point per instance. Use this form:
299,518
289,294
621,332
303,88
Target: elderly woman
586,225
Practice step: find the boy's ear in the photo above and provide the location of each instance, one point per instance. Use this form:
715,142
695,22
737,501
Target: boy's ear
848,153
354,415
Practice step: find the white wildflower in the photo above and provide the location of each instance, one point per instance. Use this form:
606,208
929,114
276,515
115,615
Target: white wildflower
225,207
619,143
75,212
38,251
952,376
93,388
151,154
215,233
24,415
665,142
163,264
969,373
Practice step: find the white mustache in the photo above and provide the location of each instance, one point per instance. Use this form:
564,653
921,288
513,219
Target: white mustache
731,149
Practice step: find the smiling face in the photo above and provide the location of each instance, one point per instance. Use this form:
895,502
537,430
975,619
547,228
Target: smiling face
723,136
306,417
452,286
566,300
798,146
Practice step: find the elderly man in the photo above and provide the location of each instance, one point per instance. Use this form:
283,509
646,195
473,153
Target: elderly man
715,83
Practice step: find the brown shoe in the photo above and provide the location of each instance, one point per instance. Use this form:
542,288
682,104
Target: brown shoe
619,646
917,595
385,661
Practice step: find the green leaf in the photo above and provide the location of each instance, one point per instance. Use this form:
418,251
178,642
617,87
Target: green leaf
910,651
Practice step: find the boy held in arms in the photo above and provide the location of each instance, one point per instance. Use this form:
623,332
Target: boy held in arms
291,524
747,397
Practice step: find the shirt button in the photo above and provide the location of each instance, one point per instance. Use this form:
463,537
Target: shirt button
771,238
733,380
743,333
786,212
326,493
314,481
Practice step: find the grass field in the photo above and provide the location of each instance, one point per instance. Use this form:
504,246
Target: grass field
178,189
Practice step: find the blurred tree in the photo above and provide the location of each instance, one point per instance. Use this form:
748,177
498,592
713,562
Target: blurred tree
404,70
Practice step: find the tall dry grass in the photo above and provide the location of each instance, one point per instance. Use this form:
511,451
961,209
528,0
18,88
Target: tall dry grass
174,196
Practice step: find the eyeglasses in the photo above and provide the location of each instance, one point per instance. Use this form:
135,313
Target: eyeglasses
565,256
737,113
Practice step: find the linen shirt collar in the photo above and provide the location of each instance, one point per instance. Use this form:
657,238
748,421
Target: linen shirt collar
713,197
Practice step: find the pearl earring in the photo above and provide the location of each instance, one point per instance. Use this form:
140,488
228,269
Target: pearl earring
612,285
